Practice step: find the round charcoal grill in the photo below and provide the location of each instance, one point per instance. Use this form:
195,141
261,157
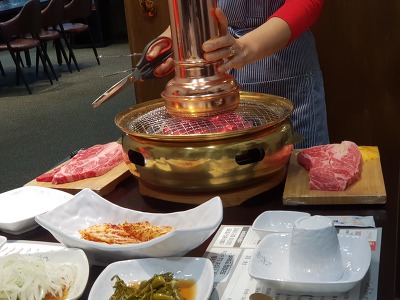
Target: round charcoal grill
209,154
256,112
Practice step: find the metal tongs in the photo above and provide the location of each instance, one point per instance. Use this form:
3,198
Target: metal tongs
146,68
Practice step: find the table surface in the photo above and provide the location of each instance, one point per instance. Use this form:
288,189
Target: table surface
127,194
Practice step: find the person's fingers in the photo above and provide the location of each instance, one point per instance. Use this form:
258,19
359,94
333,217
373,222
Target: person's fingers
230,64
153,52
165,68
236,59
218,48
156,48
225,47
224,40
236,62
222,21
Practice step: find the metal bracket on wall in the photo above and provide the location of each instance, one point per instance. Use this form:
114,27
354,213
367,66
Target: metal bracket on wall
148,7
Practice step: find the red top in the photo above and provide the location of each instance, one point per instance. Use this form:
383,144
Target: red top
299,14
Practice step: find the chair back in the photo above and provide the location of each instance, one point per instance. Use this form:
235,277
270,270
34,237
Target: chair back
77,9
28,20
53,14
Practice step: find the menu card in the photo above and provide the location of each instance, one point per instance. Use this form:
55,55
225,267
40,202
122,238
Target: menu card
231,250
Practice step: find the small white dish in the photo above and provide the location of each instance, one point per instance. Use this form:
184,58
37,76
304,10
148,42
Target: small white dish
20,206
25,247
270,262
199,270
192,227
56,254
272,221
3,240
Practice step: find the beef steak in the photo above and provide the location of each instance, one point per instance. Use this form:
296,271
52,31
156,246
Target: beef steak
92,162
332,167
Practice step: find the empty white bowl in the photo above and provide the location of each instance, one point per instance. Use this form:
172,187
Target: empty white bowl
314,253
20,206
272,221
3,240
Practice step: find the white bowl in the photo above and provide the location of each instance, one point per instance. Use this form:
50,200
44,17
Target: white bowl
3,240
75,257
192,227
198,269
20,206
270,262
56,254
273,221
26,247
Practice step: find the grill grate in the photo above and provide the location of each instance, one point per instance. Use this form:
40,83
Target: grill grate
249,114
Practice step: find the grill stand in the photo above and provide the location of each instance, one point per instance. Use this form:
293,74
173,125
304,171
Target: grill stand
231,197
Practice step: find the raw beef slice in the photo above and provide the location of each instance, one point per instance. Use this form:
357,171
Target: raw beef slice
92,162
332,167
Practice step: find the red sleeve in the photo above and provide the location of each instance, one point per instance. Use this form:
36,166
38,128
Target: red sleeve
299,14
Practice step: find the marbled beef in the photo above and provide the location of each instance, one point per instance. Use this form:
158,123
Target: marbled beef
332,167
92,162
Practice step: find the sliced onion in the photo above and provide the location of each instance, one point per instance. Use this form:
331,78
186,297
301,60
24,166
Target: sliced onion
30,277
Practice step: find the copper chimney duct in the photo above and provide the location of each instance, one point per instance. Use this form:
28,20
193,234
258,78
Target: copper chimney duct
197,89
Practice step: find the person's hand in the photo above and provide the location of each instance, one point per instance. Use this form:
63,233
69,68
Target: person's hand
257,44
225,47
166,67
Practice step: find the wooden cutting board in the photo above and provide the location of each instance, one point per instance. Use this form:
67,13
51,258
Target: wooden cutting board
102,185
370,189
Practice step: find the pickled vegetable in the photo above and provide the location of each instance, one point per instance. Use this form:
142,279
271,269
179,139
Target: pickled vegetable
159,287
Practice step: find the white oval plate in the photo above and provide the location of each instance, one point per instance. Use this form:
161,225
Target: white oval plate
198,269
20,206
272,221
57,254
270,262
192,227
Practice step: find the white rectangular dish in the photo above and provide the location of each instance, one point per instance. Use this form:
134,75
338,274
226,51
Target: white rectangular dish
270,262
20,206
200,270
192,227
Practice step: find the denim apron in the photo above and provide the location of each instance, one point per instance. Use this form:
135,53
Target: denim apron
293,72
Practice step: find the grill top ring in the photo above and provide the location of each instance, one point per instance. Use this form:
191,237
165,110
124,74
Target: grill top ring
152,120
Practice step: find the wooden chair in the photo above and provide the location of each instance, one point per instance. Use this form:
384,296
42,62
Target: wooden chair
2,69
51,17
76,16
20,34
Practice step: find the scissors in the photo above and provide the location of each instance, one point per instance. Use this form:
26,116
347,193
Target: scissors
146,68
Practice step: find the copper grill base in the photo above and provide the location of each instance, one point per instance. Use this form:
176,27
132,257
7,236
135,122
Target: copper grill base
231,197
